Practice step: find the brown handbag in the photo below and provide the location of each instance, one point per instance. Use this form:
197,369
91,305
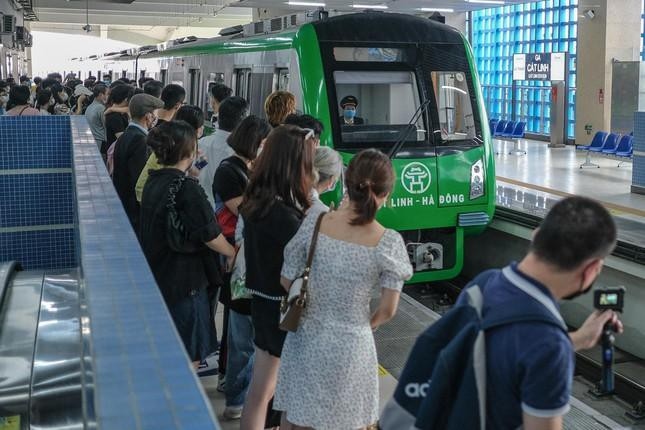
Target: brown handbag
294,304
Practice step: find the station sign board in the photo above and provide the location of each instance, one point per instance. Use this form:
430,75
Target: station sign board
549,66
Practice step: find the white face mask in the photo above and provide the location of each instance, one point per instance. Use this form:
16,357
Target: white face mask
52,101
63,96
4,99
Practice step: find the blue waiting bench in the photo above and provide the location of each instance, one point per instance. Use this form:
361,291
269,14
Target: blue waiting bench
608,144
509,130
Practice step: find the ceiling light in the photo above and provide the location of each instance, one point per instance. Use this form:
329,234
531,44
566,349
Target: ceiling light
436,9
369,6
305,3
486,1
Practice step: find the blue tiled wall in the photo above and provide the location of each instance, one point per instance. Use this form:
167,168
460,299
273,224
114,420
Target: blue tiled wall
638,170
531,27
143,378
37,208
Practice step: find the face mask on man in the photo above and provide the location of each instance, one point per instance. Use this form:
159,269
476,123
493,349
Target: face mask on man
349,113
578,293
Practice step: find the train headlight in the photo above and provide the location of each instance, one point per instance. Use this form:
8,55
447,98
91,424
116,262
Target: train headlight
476,180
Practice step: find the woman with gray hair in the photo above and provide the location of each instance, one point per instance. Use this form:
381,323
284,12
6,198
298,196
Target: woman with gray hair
328,166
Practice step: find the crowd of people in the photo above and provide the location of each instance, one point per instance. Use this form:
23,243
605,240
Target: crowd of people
248,195
234,218
52,95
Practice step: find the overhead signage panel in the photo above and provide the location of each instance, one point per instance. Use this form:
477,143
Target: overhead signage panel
539,67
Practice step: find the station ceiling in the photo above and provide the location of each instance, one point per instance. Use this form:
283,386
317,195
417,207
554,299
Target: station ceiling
159,20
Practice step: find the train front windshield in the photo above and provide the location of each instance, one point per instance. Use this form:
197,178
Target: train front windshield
387,100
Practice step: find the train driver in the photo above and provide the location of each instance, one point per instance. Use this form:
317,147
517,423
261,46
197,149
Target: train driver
349,104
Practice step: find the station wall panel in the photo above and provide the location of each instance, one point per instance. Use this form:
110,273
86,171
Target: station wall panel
638,169
498,33
37,204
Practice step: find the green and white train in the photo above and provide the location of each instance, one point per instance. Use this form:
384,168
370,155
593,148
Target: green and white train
418,92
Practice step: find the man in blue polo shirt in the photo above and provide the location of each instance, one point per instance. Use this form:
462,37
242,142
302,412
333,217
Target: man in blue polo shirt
530,365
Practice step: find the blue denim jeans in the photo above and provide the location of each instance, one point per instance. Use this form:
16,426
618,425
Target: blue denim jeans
239,363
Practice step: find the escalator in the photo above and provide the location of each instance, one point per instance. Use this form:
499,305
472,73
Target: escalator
44,376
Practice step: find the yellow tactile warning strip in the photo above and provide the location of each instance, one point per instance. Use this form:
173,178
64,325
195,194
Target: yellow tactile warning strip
610,206
382,371
10,423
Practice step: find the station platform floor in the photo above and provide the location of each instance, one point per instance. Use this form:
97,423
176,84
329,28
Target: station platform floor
557,171
534,181
394,341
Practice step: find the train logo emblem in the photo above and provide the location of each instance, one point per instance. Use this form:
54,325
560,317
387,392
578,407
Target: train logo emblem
416,178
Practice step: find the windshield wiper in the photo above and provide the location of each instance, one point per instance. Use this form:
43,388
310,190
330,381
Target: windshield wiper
415,117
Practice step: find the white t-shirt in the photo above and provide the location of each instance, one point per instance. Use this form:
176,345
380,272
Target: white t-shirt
215,149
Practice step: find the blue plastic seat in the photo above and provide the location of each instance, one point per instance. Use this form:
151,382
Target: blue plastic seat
518,133
597,141
622,145
626,147
508,130
492,124
610,143
499,128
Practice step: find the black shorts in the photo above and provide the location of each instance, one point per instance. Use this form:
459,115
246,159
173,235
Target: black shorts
266,317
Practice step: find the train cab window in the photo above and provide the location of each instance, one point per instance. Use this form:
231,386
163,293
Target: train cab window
455,109
364,54
386,102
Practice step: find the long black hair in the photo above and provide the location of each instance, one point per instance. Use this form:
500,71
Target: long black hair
284,171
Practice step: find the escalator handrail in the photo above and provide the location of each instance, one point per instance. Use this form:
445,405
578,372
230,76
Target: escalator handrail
7,270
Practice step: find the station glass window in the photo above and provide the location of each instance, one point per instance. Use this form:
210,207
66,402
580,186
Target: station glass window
455,109
387,102
498,33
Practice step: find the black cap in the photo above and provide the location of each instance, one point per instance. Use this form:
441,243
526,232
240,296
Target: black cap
348,100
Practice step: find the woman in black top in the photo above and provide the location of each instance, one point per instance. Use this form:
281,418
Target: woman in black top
231,179
182,277
273,207
116,120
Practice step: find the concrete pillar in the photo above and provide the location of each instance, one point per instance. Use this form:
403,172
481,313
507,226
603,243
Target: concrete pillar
607,30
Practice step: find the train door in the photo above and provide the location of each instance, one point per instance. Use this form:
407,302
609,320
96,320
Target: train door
261,84
213,78
281,79
163,76
193,89
241,82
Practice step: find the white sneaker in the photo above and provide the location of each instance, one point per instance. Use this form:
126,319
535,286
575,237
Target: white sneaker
232,412
208,366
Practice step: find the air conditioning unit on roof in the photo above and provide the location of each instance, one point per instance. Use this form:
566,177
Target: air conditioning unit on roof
7,24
